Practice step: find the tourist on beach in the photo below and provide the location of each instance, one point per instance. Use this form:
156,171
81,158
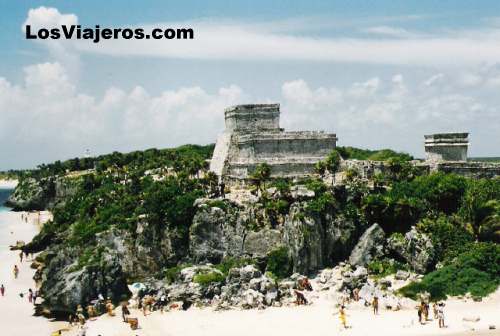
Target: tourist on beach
30,295
300,298
375,305
435,310
21,256
420,312
15,271
125,311
355,294
91,311
441,314
426,312
342,317
110,307
35,295
162,303
2,290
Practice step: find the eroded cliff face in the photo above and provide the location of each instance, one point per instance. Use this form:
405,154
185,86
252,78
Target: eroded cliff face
313,241
41,194
72,276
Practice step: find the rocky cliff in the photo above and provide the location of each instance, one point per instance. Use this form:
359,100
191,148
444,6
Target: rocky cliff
41,194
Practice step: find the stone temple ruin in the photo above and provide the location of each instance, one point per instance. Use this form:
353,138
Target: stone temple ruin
253,136
446,147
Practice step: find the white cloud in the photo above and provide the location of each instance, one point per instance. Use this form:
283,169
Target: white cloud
44,17
433,80
47,117
242,42
286,40
395,113
389,31
61,50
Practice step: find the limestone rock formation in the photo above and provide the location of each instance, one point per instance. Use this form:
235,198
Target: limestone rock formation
41,194
64,288
370,246
415,248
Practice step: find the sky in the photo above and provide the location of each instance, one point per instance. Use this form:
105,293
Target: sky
379,74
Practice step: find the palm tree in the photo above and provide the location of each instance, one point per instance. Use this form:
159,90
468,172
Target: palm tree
261,174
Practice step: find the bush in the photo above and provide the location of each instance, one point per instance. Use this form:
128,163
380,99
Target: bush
448,235
205,279
476,271
172,273
384,267
279,263
233,262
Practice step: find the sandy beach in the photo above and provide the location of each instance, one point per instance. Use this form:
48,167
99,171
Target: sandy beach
8,184
17,313
319,318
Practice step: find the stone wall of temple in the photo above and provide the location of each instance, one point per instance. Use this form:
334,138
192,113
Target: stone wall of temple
446,147
253,136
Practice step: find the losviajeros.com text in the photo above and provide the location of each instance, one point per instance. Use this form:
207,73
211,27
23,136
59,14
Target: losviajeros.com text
96,34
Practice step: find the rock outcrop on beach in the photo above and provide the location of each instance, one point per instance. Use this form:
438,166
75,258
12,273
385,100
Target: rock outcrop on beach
414,247
369,247
41,194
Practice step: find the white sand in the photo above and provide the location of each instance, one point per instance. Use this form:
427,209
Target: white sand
8,184
316,319
16,312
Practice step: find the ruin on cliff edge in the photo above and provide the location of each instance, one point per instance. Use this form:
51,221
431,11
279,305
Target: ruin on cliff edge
253,136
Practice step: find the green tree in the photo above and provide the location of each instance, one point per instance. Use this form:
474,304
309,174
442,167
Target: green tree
260,175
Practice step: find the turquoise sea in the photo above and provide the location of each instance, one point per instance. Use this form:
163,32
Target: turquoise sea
4,194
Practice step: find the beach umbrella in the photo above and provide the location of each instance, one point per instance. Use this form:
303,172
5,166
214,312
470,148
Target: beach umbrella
136,287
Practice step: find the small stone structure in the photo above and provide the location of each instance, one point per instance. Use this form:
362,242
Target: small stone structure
446,147
253,136
447,152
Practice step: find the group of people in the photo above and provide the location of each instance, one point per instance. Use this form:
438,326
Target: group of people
303,285
438,311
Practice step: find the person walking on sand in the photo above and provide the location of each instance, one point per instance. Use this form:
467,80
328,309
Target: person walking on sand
435,310
30,295
35,295
375,305
21,256
15,271
125,311
2,290
342,317
441,314
420,312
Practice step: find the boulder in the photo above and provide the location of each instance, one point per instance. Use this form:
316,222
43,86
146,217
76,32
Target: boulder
402,275
260,243
414,247
64,287
300,192
303,235
369,246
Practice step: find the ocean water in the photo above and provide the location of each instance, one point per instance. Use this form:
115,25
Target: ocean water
4,194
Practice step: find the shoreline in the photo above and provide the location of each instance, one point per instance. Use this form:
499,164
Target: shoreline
16,311
8,184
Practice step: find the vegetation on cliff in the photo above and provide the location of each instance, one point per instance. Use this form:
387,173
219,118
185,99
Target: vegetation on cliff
155,212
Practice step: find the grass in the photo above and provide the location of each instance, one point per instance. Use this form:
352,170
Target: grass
206,279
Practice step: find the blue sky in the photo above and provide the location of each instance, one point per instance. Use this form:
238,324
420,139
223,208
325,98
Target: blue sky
377,73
